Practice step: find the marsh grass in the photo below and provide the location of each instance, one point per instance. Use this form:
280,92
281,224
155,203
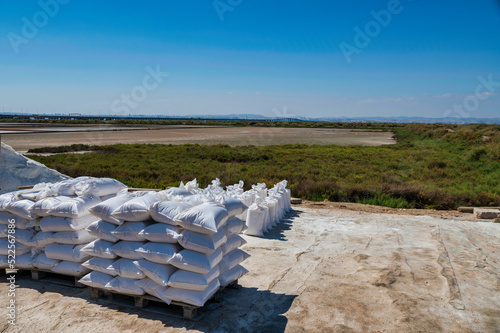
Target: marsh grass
431,166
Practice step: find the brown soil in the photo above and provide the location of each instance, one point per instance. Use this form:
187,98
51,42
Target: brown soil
444,214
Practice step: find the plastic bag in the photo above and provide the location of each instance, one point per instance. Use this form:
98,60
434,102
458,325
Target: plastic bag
128,250
232,259
73,237
136,209
197,298
151,287
70,268
161,233
22,208
234,226
206,218
232,244
102,230
205,244
232,275
130,231
72,253
159,273
99,187
100,248
126,269
159,253
56,224
124,286
44,206
42,262
196,262
96,280
166,211
193,281
100,265
74,208
106,208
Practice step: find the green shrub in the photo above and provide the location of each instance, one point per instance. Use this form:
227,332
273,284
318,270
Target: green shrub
431,166
383,199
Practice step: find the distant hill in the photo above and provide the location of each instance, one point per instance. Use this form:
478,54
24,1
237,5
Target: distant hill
258,117
357,119
415,120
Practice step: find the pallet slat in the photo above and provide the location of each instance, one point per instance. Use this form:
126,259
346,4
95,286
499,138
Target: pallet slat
141,302
51,277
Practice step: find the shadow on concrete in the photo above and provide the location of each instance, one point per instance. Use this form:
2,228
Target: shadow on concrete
233,310
278,233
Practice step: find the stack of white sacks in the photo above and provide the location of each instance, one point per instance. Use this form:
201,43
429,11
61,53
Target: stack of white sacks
173,244
266,207
19,247
181,244
50,222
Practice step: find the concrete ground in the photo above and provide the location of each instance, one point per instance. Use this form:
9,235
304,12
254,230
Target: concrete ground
326,268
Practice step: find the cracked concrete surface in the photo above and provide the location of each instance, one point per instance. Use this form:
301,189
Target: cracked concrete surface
322,270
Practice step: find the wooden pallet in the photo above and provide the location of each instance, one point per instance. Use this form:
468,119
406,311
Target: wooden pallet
8,271
131,189
471,209
145,302
55,278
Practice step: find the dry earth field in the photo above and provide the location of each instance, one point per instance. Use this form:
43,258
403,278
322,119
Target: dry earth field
327,268
234,136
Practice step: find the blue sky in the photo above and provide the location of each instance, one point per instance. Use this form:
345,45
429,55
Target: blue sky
273,59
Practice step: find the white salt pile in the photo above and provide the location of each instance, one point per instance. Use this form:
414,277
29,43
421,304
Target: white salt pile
17,170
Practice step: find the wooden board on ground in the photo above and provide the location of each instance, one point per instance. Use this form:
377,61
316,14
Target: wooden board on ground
470,210
55,278
488,214
28,187
147,303
8,271
143,189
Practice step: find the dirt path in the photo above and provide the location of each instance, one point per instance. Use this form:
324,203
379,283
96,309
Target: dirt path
357,207
233,136
324,269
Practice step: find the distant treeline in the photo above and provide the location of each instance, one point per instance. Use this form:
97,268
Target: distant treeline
235,123
431,166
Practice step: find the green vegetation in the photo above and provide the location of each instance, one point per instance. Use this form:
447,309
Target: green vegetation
431,166
232,123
